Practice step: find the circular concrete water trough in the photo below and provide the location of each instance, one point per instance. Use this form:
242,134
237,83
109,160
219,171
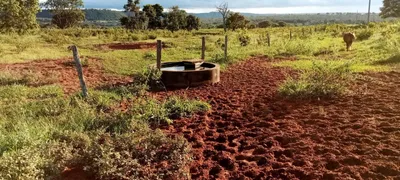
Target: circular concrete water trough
189,73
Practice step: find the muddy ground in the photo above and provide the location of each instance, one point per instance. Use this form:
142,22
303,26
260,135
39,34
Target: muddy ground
127,46
63,72
252,133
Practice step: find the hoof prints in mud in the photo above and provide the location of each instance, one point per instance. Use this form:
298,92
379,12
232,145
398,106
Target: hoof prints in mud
253,134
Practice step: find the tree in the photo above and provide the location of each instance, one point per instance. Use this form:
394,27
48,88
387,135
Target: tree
224,11
136,19
391,8
66,13
18,15
192,22
236,21
265,24
155,15
282,24
175,19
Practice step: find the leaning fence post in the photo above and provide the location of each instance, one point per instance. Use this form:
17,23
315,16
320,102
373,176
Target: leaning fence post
159,47
78,66
203,48
269,39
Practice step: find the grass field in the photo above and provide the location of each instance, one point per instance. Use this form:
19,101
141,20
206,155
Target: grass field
46,132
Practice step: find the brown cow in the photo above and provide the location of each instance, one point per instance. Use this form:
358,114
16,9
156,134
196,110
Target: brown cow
349,38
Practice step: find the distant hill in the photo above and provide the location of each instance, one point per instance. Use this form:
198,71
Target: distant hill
213,19
91,15
299,19
218,15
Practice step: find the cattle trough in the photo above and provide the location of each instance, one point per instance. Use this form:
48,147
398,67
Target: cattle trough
188,73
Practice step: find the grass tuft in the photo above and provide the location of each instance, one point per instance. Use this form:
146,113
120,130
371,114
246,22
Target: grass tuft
322,80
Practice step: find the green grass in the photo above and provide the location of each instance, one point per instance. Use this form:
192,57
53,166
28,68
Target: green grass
323,80
42,132
187,45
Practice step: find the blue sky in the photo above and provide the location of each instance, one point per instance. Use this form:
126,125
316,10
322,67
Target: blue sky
253,6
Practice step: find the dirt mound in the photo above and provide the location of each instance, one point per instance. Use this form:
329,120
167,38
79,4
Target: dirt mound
128,46
254,134
63,70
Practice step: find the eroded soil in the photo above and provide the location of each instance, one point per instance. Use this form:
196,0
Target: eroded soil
252,133
127,46
63,72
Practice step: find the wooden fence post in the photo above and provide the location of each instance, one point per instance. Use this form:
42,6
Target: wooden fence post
226,47
78,66
269,39
203,48
159,48
290,33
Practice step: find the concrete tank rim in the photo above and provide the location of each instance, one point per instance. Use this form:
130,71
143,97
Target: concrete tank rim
217,66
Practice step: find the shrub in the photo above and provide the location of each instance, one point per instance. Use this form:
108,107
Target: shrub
134,38
152,36
145,37
21,164
149,56
262,39
244,39
56,38
150,77
169,45
178,107
322,80
151,111
364,35
135,156
220,43
21,46
102,100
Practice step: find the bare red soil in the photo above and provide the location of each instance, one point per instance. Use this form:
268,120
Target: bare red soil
128,46
64,71
252,133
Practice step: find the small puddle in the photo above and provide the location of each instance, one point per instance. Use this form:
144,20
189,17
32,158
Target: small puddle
173,68
183,68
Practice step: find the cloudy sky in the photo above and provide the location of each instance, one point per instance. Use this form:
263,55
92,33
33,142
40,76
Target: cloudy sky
253,6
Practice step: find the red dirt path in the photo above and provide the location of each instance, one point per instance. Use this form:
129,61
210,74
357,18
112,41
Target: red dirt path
64,70
253,134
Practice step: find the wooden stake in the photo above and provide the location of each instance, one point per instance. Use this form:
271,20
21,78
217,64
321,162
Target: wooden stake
159,48
269,39
203,48
226,47
290,34
78,66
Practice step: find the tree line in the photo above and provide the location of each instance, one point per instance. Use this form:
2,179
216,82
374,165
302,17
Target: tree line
154,17
20,16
